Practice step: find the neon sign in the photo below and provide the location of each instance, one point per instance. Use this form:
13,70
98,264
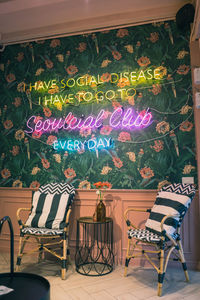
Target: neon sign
87,96
120,118
78,145
90,80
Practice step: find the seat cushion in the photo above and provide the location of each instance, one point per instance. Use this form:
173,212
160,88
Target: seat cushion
147,236
48,210
174,200
41,231
144,235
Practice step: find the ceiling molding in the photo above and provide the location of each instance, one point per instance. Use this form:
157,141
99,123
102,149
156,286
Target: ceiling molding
68,18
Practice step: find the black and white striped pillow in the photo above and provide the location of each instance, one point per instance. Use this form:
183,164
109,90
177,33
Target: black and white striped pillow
59,188
173,199
48,210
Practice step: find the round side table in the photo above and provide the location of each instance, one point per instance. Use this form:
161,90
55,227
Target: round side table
94,247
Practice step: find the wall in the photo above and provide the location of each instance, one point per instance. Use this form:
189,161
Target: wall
121,97
195,62
117,201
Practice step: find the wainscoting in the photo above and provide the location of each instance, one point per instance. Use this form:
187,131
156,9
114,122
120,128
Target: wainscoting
117,201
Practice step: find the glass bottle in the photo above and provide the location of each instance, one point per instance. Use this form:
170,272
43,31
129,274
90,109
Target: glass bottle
101,211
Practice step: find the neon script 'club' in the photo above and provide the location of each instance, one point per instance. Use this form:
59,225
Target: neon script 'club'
128,119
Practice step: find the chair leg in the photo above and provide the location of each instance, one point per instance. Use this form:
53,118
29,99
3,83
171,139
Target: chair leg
41,249
22,242
161,273
182,258
64,259
68,256
127,258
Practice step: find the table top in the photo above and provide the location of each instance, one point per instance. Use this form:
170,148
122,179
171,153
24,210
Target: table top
89,220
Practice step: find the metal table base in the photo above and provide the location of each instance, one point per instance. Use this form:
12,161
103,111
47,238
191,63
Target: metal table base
94,247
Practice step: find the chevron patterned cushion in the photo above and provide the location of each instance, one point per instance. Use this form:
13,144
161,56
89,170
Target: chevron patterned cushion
57,188
48,210
174,200
144,235
42,231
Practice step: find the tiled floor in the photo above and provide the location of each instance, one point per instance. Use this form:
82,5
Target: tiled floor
139,284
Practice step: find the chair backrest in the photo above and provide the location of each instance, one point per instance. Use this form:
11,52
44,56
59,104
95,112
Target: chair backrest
173,200
50,205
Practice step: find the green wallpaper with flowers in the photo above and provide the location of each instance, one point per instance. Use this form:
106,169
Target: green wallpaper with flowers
113,106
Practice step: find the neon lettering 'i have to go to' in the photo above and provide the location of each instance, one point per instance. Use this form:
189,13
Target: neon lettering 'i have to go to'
118,119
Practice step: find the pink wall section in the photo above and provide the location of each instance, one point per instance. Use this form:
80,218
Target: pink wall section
117,201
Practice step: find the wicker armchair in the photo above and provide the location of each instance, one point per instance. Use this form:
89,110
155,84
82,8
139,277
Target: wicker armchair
48,223
161,236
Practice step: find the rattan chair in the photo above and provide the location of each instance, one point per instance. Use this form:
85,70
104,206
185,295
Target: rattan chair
161,236
47,223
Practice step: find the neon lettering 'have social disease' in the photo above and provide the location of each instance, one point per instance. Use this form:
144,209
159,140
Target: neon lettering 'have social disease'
119,119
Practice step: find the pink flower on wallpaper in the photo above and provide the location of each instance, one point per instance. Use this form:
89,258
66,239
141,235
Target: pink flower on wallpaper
17,101
106,77
71,70
82,47
122,32
131,100
45,163
85,131
51,139
146,172
48,63
10,77
35,185
36,134
116,55
116,104
8,124
5,173
47,112
117,162
149,116
37,119
15,150
69,173
106,114
69,118
106,130
54,43
124,136
183,70
20,56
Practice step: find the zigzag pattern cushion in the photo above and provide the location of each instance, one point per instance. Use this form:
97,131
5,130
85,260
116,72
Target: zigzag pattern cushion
173,199
57,188
48,210
144,235
41,231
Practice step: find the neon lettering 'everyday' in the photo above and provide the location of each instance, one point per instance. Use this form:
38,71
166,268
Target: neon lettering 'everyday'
76,145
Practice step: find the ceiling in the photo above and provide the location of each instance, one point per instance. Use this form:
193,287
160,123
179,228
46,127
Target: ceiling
25,20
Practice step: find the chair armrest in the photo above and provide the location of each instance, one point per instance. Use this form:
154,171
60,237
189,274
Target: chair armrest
20,222
67,218
128,223
163,222
165,218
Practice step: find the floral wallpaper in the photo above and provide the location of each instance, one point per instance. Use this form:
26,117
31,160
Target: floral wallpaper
112,106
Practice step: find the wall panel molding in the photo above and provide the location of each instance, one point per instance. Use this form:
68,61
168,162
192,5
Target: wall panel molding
117,201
